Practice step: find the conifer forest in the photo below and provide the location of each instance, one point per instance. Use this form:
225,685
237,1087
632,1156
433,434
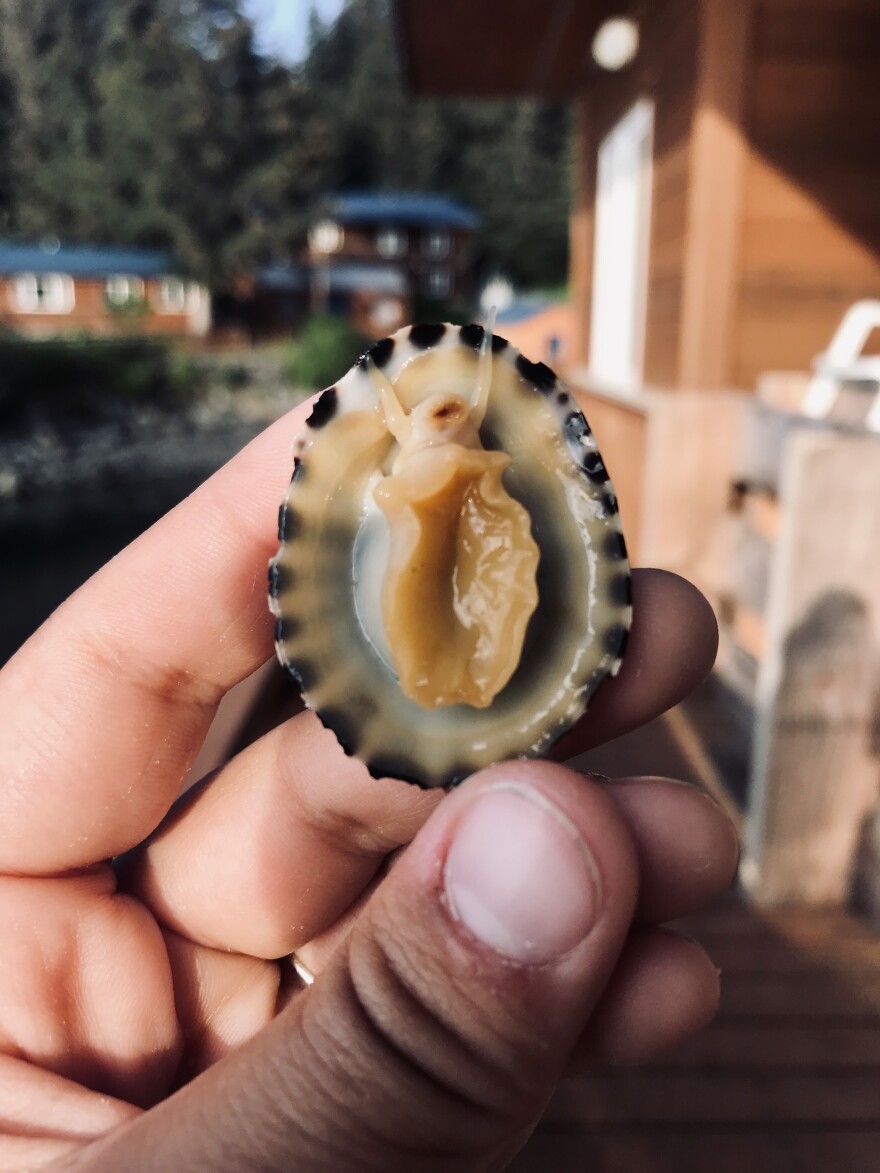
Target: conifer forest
158,123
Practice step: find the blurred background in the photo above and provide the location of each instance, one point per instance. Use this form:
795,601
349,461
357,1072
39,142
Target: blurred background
209,207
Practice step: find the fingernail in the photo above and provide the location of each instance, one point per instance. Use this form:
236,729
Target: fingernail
519,877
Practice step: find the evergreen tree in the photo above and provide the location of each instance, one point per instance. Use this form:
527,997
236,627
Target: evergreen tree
152,122
510,160
53,150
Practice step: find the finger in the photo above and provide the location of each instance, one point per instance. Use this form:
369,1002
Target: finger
43,1114
289,834
687,847
44,1117
155,639
687,851
124,678
222,1001
85,986
671,648
281,842
443,1024
664,990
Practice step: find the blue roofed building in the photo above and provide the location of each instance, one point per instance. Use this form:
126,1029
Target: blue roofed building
374,255
375,258
412,209
49,288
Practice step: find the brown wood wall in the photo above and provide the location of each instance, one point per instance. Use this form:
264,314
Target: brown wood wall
806,243
810,231
666,72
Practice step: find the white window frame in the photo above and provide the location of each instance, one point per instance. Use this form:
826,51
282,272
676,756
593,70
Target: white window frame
121,289
621,251
172,303
437,243
391,242
43,293
437,275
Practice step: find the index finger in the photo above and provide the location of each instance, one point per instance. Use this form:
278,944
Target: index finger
104,708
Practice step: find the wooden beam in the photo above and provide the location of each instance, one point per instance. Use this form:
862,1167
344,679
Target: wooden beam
815,772
580,237
718,154
497,48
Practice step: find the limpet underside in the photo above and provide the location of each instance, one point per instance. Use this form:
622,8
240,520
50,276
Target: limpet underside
452,584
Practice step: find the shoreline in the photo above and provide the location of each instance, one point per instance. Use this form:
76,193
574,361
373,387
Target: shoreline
134,461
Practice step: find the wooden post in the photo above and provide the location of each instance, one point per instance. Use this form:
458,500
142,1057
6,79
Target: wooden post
580,237
816,771
689,457
718,153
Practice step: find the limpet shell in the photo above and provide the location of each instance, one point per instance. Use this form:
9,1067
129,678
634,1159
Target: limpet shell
325,582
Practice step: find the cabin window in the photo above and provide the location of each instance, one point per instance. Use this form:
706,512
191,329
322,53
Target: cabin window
326,237
436,244
437,282
121,290
391,242
43,293
620,258
172,295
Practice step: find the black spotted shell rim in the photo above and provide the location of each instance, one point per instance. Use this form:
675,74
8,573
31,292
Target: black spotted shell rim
575,639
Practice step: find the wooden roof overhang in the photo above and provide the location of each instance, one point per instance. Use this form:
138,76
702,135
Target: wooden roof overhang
498,48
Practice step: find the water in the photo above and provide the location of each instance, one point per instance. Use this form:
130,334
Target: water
120,476
46,553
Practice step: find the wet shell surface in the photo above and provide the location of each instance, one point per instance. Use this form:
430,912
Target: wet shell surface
452,583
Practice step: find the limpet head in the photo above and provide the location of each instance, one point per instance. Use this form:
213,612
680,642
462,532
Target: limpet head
452,584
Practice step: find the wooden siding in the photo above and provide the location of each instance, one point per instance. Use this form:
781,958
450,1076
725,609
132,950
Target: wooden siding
673,494
811,218
664,71
90,313
765,225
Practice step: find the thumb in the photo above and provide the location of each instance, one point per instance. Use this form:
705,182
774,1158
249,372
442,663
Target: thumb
437,1033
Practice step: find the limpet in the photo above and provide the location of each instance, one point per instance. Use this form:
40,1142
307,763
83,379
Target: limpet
452,584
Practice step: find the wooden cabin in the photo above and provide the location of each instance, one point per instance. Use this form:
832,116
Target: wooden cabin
53,288
724,219
374,255
724,207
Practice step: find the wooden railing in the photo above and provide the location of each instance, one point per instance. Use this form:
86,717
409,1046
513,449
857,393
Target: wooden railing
777,519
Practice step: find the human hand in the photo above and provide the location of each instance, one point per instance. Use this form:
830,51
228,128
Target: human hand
146,1023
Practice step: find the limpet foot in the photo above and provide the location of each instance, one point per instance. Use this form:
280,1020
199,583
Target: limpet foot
452,584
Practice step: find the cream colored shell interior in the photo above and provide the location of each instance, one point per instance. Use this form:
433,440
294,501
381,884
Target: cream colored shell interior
337,612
